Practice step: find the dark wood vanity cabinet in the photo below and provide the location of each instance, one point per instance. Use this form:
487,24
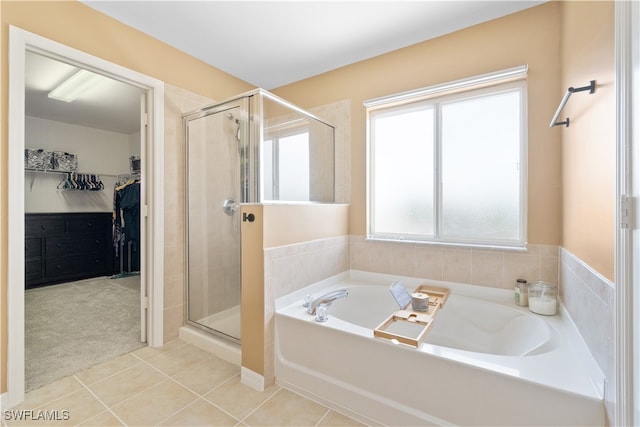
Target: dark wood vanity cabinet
61,247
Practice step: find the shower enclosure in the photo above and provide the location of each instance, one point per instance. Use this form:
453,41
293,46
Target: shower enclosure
250,149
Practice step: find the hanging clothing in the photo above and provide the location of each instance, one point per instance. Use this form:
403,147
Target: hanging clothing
130,205
126,221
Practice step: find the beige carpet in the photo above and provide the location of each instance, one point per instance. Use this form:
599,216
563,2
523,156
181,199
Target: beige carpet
72,326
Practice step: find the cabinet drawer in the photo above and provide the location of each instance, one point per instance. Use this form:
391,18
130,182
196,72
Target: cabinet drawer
86,244
84,265
89,223
43,226
33,269
32,247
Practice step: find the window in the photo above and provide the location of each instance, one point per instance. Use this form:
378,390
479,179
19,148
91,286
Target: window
286,167
447,164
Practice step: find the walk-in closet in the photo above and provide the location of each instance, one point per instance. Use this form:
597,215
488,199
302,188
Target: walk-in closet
82,220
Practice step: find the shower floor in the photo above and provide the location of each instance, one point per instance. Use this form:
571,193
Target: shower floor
227,321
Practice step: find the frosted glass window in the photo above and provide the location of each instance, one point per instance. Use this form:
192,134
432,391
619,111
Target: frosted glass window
293,165
481,167
403,178
285,168
450,166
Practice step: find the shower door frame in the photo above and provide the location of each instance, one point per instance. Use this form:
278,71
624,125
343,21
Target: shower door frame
246,194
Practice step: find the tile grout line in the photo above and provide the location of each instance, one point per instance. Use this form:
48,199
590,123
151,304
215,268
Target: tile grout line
323,417
225,411
52,399
260,406
107,407
200,396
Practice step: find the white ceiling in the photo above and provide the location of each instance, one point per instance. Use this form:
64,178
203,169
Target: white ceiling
112,106
272,43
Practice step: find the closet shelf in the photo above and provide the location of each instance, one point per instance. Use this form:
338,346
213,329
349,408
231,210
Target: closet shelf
122,175
82,181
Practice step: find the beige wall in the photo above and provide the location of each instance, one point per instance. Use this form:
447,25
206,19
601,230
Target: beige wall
80,27
589,143
530,37
285,248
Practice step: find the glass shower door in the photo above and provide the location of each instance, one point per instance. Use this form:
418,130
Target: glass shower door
214,190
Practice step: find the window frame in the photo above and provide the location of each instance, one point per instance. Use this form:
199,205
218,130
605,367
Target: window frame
435,96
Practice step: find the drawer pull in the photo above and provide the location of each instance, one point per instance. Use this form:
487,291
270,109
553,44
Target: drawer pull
59,245
43,226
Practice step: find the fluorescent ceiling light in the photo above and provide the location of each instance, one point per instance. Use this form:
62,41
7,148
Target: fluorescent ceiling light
75,86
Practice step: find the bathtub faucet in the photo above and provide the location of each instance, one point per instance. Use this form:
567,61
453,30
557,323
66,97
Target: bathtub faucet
326,299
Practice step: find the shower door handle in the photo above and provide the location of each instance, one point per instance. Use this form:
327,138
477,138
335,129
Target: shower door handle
230,207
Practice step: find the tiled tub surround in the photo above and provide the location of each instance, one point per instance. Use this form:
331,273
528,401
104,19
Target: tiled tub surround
502,379
484,267
291,267
590,300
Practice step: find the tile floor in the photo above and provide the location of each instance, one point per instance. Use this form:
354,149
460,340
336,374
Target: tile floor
175,385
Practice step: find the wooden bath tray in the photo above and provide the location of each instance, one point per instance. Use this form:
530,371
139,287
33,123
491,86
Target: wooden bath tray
410,327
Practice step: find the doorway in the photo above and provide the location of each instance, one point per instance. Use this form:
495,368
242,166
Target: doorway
82,161
151,206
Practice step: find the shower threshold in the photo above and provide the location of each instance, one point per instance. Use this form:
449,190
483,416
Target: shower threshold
226,322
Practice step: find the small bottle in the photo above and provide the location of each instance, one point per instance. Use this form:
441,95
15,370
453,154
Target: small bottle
522,293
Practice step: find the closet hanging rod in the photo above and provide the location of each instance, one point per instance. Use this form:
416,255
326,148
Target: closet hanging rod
591,88
122,175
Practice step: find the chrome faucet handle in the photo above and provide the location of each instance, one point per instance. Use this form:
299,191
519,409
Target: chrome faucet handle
307,300
322,312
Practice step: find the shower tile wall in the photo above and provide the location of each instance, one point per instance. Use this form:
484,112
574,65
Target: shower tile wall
338,114
484,267
177,102
215,264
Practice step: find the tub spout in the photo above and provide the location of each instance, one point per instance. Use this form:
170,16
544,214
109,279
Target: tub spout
326,299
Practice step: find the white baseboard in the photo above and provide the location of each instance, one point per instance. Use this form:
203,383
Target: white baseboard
252,379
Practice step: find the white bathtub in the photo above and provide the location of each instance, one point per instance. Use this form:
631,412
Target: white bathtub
485,362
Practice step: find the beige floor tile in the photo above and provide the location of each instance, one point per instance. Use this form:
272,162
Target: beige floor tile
106,369
126,384
178,359
147,353
207,375
105,418
286,408
79,406
50,392
239,399
201,413
155,404
334,418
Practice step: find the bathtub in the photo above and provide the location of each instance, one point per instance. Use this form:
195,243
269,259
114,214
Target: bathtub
486,361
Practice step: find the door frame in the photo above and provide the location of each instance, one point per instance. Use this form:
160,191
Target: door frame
152,214
627,259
